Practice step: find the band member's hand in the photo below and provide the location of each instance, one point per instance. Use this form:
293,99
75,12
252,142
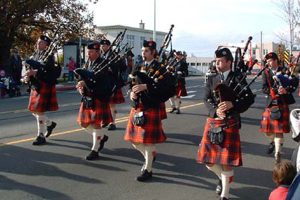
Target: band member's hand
225,105
221,114
282,90
133,96
31,72
139,88
80,87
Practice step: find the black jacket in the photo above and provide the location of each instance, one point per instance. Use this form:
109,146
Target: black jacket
240,103
283,98
157,91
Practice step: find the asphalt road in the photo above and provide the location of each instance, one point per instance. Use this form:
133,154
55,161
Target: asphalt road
58,170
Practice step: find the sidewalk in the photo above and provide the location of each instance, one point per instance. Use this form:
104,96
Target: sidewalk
62,86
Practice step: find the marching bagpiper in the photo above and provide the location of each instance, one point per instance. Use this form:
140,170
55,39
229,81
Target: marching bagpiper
94,108
275,118
180,72
117,97
220,148
144,128
42,80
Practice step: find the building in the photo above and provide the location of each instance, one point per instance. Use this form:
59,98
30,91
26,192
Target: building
134,36
198,65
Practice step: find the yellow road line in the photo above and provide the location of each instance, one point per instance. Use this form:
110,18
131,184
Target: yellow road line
119,120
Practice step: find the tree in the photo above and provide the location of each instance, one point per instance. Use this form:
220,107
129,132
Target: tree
291,15
22,21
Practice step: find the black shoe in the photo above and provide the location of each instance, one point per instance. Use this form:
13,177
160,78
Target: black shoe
219,187
271,148
173,109
104,125
111,127
144,176
39,140
103,140
178,111
92,156
50,129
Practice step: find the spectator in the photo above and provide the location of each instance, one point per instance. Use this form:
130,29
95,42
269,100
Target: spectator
283,175
71,67
16,66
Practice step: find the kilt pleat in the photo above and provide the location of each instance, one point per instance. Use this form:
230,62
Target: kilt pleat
149,133
117,97
228,153
96,117
267,125
44,99
163,112
180,89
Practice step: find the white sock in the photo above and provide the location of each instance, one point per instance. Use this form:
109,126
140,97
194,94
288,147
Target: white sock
172,102
140,148
149,157
217,169
113,112
277,142
40,119
177,103
89,129
96,139
47,121
227,178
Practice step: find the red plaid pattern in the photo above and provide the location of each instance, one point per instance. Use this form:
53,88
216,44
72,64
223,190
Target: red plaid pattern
44,99
267,125
162,110
117,97
150,133
229,153
180,89
96,117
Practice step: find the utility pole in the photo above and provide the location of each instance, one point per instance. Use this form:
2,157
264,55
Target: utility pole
154,27
261,48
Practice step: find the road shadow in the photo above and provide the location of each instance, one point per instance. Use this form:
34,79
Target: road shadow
26,162
12,185
187,172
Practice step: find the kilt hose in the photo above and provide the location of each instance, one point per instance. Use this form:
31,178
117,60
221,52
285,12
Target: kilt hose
163,112
97,116
267,125
149,133
180,89
44,99
117,97
228,153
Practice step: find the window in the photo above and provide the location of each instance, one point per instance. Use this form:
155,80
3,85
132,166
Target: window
142,41
265,51
193,64
130,40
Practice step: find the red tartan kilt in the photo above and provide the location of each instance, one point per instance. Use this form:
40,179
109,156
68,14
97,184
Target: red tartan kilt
229,153
267,125
96,117
117,97
150,133
180,90
163,112
43,100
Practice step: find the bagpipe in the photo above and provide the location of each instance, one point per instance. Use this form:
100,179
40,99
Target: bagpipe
39,61
158,75
223,92
239,63
99,82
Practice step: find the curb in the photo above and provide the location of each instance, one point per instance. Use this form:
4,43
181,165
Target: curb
60,87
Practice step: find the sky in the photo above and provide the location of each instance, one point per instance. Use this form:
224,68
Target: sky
199,25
